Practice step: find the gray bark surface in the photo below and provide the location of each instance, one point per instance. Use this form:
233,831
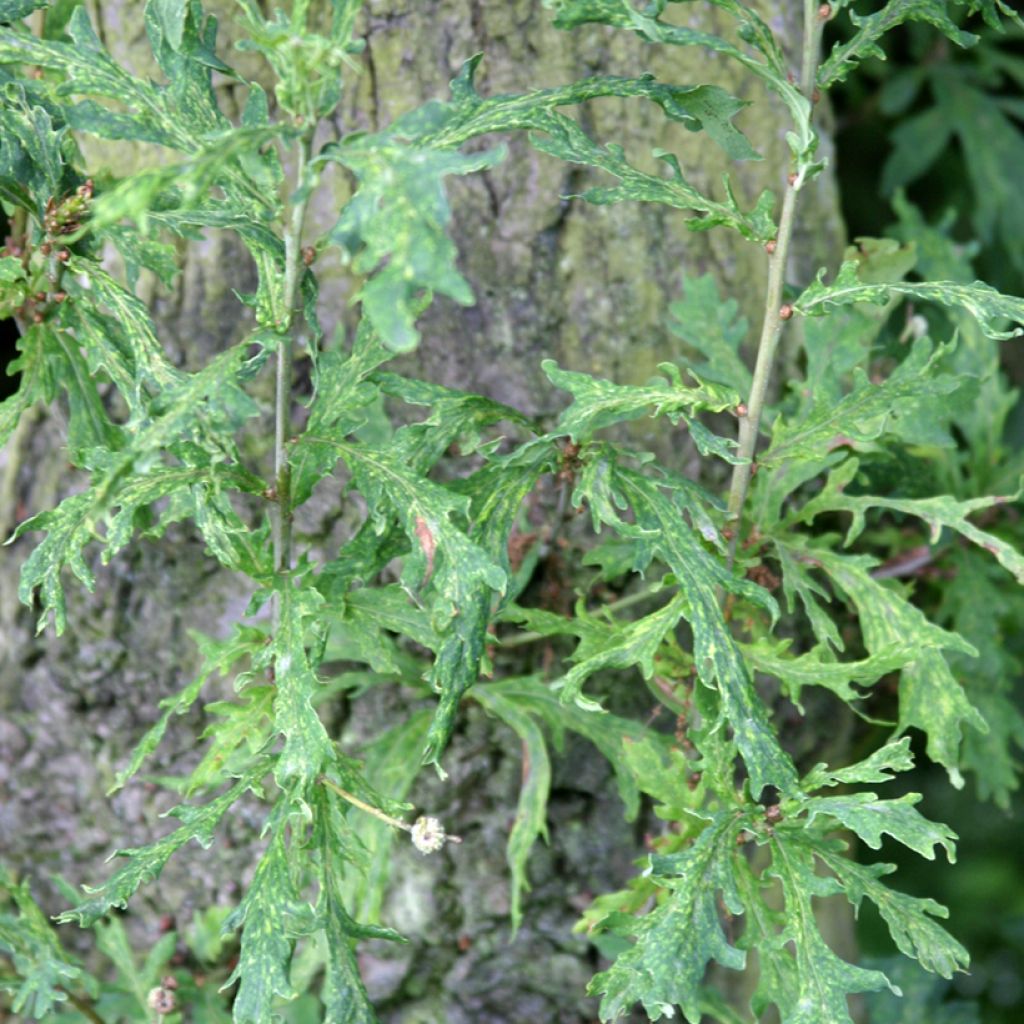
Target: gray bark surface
587,286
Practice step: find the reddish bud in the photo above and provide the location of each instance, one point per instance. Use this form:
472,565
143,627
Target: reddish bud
308,255
60,296
64,255
770,246
741,409
792,178
786,312
37,318
816,96
825,12
46,248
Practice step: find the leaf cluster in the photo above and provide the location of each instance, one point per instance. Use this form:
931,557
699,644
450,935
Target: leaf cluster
430,588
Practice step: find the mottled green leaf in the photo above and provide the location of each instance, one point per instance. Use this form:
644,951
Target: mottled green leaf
712,326
752,30
344,995
391,764
146,862
307,747
809,985
716,655
394,229
36,383
864,414
271,915
219,656
531,810
909,919
943,511
69,528
599,403
467,115
876,767
633,643
931,698
617,738
15,10
814,669
676,940
42,966
870,817
870,28
989,307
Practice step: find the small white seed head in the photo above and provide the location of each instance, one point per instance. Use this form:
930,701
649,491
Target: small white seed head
161,1000
428,835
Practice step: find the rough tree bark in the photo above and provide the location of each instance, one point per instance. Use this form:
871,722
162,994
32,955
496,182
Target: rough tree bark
587,286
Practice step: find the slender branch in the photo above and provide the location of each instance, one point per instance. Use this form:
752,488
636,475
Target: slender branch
364,806
83,1006
379,814
775,314
285,358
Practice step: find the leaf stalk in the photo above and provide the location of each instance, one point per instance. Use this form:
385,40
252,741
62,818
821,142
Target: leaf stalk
775,313
293,266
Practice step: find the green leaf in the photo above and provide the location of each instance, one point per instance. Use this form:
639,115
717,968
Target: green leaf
391,764
146,862
990,308
815,668
871,27
463,576
621,646
864,414
931,698
393,229
876,767
718,660
219,656
909,919
68,529
15,10
531,810
307,747
344,995
938,512
676,940
713,327
45,970
699,107
37,381
811,984
870,817
752,30
271,914
599,403
621,740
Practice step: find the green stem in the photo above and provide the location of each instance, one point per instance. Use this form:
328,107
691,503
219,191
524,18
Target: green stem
775,315
285,358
